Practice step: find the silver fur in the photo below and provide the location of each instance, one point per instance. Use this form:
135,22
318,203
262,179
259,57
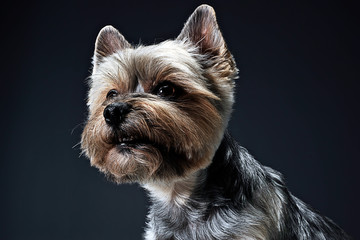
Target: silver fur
262,208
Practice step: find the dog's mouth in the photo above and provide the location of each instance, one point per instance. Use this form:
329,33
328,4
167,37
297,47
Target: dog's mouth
131,142
123,140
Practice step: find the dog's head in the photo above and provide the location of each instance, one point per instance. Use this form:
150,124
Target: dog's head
159,112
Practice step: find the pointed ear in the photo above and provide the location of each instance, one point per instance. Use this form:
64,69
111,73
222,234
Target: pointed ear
202,30
108,41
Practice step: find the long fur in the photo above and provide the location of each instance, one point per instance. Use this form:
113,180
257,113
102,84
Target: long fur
238,198
174,142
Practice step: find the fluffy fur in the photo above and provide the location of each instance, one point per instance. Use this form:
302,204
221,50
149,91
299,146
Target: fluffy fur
157,116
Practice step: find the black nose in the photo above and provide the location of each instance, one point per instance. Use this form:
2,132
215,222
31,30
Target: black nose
115,113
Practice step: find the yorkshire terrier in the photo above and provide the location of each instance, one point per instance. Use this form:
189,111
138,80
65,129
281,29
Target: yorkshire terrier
158,116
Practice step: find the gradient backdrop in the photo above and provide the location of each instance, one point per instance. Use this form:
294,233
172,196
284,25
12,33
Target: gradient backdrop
297,107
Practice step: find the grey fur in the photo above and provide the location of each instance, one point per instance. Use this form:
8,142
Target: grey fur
238,198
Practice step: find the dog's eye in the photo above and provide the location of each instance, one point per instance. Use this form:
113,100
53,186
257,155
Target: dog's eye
166,90
112,93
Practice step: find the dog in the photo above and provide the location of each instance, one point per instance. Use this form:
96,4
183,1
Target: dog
158,116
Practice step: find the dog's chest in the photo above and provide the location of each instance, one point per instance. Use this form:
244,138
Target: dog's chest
178,223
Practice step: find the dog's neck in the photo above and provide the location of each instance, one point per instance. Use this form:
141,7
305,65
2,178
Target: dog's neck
176,192
217,184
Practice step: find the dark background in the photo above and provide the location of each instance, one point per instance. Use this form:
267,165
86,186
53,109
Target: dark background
296,107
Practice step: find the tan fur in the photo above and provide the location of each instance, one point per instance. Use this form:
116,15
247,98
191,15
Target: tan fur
174,138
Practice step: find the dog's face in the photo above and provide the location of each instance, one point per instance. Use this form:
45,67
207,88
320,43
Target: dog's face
159,112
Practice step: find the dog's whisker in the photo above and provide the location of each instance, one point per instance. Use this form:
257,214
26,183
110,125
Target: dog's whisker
74,128
76,145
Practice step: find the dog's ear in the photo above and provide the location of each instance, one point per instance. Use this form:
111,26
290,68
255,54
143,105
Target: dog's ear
202,30
108,41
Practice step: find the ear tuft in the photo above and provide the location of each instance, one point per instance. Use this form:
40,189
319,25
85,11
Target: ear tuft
108,41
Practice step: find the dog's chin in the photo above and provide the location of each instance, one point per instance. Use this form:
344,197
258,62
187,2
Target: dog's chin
131,161
142,161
